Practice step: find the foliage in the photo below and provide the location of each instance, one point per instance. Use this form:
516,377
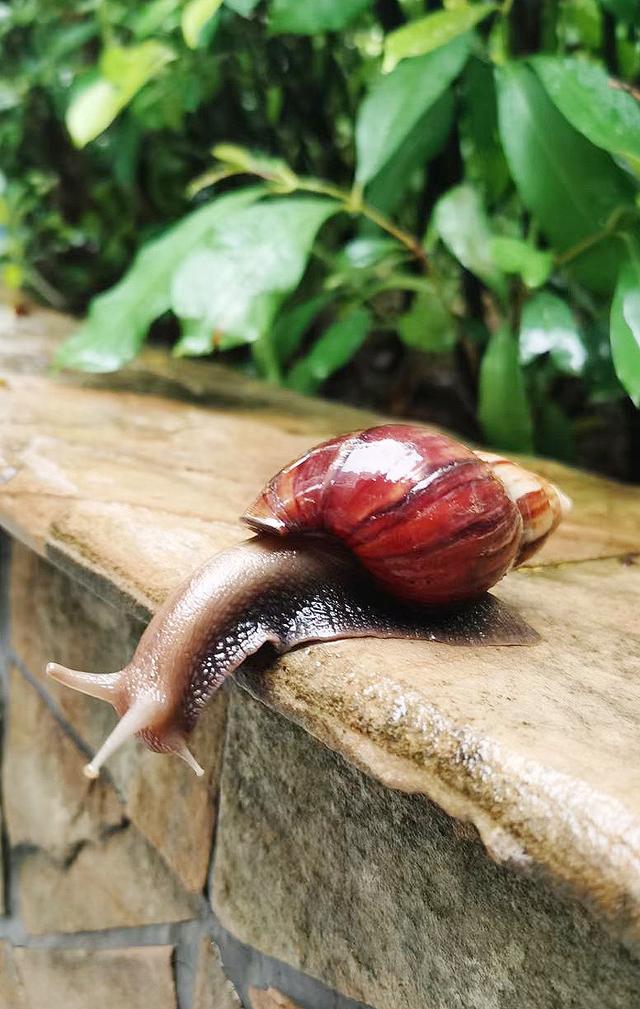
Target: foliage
464,180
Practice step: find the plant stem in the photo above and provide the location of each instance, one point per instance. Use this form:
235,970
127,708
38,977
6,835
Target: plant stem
591,240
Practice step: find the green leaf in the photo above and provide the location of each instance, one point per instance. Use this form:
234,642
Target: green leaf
397,101
592,102
197,338
579,24
292,324
428,325
331,351
503,408
462,224
431,32
426,139
300,17
123,72
478,124
195,15
625,328
548,327
512,255
238,278
571,186
119,319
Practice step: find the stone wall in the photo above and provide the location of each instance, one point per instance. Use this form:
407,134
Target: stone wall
286,878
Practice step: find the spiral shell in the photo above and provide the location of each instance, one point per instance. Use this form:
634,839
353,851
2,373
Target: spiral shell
432,521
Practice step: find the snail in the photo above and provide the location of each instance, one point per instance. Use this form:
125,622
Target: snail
389,532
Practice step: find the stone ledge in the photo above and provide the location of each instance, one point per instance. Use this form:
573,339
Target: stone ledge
536,748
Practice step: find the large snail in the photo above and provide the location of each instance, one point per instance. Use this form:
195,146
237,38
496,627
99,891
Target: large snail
384,532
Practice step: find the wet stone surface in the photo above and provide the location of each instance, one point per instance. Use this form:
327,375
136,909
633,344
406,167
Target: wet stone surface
309,870
480,845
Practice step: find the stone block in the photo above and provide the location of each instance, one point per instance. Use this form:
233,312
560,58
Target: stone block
92,979
56,618
212,989
83,865
270,998
380,895
12,994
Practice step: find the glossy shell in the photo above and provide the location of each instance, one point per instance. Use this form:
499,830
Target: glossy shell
427,517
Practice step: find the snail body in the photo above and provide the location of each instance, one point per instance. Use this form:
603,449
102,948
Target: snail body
384,532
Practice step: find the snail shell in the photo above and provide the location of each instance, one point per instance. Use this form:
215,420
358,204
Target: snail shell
432,521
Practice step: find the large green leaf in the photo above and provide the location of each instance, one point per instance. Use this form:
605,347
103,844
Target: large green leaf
426,139
237,279
460,220
124,70
119,319
301,17
331,351
503,408
592,102
397,101
549,327
568,184
625,328
431,32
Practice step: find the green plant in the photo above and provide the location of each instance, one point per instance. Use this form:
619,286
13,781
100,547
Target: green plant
465,180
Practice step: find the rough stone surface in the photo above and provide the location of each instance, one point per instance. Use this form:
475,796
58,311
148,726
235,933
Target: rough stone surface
538,747
106,979
381,896
212,989
55,618
83,865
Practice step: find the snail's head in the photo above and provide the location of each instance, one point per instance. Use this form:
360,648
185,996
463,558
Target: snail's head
146,714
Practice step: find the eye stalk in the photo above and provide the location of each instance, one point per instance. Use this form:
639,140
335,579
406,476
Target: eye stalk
139,719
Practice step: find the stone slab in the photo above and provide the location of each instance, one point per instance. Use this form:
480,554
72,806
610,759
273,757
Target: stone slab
82,865
90,979
55,618
383,896
128,490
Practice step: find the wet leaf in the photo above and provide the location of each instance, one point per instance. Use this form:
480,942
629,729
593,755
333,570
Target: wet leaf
461,222
569,185
432,32
237,279
397,101
123,72
592,102
549,327
119,319
427,138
